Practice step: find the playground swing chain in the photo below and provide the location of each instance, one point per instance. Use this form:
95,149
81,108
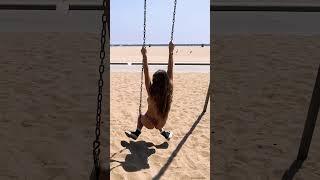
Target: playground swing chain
96,142
144,45
144,41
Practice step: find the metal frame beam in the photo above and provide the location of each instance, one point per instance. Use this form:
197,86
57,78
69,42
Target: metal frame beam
272,8
49,7
71,7
28,7
88,7
218,7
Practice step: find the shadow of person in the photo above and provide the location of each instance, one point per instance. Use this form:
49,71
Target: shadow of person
140,152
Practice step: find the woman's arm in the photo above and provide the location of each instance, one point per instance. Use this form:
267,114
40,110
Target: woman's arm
146,69
170,62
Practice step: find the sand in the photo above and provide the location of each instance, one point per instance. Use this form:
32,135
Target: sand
48,104
48,97
263,85
187,154
159,54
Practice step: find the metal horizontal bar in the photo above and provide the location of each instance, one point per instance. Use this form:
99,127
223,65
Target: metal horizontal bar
82,7
273,8
85,7
119,63
193,64
28,7
179,64
115,45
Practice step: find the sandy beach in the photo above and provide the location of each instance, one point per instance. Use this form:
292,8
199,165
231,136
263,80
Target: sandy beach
159,54
187,155
263,85
48,104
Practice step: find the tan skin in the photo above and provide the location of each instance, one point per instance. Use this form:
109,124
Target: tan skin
152,119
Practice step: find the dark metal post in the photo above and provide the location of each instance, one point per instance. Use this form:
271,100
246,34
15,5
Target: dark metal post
207,98
307,132
311,120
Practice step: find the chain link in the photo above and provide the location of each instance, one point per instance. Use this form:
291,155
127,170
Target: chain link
173,19
96,142
144,42
144,45
144,23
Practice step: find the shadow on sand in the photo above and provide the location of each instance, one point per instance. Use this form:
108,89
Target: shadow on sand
184,139
140,152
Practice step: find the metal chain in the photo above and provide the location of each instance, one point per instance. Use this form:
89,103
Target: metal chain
144,41
173,19
144,45
96,142
144,23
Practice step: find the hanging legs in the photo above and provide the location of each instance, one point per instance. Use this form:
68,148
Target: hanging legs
143,120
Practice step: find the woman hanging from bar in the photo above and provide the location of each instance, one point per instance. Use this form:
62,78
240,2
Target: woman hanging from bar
159,98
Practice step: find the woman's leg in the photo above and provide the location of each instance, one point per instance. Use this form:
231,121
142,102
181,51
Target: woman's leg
139,123
142,121
135,134
160,125
145,121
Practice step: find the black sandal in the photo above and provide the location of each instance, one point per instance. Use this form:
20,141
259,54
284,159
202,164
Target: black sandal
131,134
167,134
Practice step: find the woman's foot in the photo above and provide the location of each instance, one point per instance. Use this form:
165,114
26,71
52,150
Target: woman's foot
133,135
167,134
